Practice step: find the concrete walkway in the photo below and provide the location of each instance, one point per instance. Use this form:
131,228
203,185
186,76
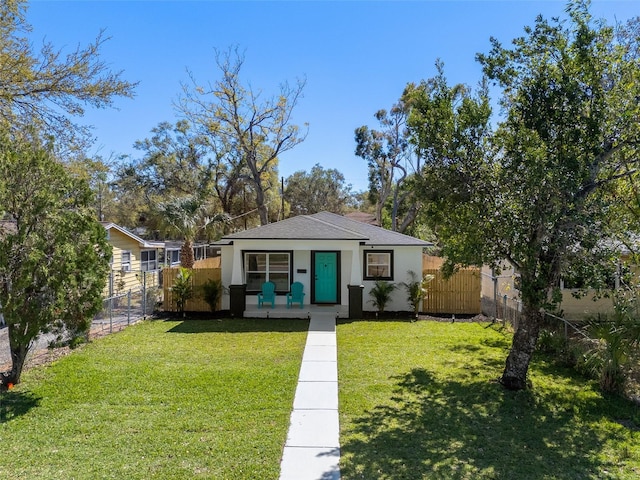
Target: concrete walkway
312,450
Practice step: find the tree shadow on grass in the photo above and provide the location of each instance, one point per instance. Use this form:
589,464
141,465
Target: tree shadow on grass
241,325
444,429
14,404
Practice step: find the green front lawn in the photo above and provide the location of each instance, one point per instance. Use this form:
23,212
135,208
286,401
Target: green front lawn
420,401
159,400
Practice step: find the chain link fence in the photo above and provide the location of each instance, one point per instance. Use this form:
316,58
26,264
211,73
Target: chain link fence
509,311
505,309
124,309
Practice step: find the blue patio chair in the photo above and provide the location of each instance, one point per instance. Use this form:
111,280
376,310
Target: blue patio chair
296,294
268,294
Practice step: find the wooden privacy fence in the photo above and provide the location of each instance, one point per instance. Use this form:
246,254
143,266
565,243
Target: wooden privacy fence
199,276
460,294
211,262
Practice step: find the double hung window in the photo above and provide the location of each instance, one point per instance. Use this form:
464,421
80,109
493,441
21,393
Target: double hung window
125,261
263,267
378,265
148,260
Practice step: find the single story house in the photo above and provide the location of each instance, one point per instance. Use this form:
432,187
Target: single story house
172,253
132,258
335,258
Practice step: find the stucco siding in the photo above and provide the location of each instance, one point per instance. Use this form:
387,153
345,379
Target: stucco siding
404,259
584,307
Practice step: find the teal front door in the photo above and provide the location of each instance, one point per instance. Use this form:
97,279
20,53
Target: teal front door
325,274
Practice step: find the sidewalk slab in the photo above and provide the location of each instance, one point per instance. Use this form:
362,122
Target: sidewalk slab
312,448
316,463
316,396
319,353
321,338
314,428
318,372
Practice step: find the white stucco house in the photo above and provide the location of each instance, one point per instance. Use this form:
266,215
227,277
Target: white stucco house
336,259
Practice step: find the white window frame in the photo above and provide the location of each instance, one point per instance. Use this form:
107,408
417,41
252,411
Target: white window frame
281,286
145,264
369,264
169,257
125,265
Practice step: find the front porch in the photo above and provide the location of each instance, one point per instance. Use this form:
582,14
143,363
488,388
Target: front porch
281,311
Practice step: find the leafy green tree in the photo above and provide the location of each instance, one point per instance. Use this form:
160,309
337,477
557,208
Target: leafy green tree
258,130
392,162
321,189
175,162
542,198
97,173
450,126
46,88
54,255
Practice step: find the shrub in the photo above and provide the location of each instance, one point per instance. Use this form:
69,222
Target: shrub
381,293
182,289
416,289
616,335
212,291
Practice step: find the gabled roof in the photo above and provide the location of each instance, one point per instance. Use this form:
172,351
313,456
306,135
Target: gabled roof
141,241
325,226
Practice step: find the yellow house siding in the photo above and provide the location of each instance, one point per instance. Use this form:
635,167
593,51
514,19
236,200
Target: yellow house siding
122,281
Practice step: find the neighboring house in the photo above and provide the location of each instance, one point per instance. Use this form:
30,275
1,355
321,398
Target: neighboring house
132,260
363,217
336,259
576,304
172,253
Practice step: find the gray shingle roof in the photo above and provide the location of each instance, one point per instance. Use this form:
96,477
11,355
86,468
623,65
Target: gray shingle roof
325,226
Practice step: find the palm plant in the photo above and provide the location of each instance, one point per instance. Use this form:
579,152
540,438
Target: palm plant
416,289
188,215
182,289
381,293
212,290
616,337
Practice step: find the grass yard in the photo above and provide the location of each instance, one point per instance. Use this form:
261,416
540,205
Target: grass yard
419,401
159,400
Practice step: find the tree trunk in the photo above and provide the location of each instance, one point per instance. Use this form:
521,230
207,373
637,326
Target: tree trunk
186,254
262,208
18,357
524,342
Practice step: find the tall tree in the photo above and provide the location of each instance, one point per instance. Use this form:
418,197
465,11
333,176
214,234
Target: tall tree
47,88
54,255
97,173
259,130
391,163
189,216
316,191
543,200
175,162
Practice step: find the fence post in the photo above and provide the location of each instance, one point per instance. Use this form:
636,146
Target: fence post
495,295
129,307
144,295
110,314
504,310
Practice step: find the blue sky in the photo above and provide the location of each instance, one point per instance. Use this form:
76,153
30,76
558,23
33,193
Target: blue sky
356,56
